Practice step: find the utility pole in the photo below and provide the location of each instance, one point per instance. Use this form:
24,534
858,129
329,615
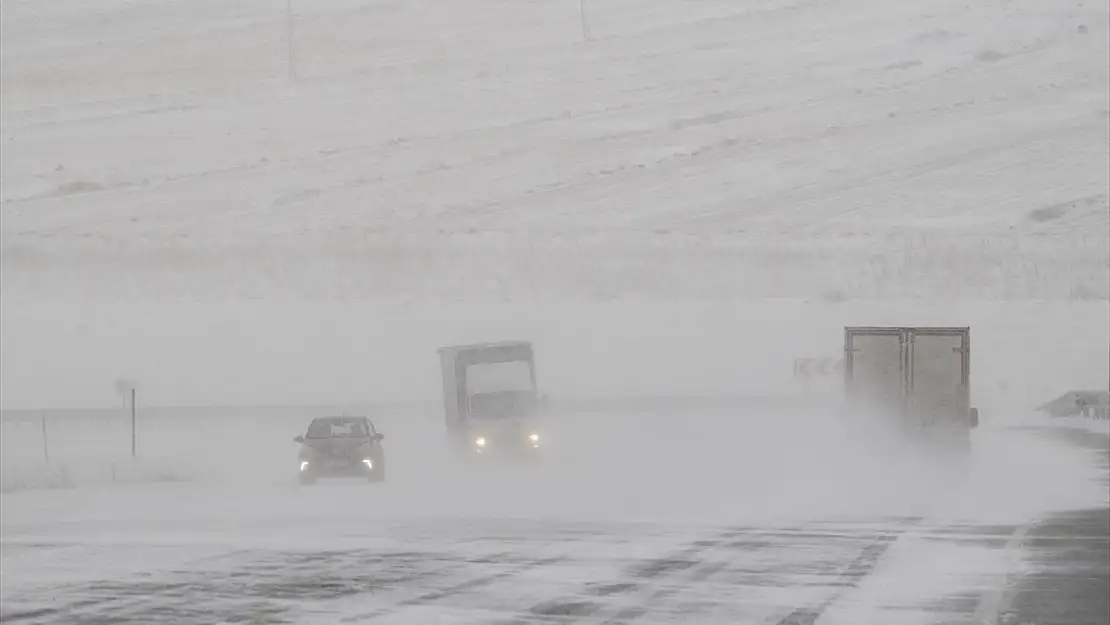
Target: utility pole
585,24
126,389
291,61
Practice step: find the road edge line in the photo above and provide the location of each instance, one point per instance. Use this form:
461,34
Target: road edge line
997,600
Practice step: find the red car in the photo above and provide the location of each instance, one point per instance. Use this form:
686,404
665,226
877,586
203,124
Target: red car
341,447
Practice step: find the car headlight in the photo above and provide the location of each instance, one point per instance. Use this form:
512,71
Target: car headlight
535,438
304,465
480,441
368,462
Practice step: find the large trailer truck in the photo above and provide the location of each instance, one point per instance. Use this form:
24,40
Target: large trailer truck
913,382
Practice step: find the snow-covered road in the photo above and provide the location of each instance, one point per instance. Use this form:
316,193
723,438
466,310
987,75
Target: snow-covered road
661,527
339,570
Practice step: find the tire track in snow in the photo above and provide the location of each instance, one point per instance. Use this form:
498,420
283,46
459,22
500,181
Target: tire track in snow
262,591
644,574
850,576
449,591
650,582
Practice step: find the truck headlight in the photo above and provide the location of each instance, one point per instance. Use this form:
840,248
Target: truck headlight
480,441
535,438
304,465
368,462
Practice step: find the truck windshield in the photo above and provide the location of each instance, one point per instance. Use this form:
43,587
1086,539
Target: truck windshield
502,404
498,377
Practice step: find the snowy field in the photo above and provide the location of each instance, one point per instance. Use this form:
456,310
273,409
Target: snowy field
673,199
696,149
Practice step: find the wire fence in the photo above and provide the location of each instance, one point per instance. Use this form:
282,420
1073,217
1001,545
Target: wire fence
65,448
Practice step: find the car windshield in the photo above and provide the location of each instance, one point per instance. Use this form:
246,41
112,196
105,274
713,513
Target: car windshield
338,428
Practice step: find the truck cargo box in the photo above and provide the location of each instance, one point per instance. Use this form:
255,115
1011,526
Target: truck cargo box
917,376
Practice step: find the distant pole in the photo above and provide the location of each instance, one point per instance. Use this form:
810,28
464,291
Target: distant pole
291,62
45,445
132,422
585,25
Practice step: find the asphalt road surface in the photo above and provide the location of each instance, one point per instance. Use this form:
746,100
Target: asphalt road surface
1069,583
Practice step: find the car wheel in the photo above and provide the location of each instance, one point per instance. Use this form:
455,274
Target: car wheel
378,473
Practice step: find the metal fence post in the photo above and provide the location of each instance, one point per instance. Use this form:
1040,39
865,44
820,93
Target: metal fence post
132,422
45,444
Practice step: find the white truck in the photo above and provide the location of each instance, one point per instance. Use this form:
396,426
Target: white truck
914,382
490,397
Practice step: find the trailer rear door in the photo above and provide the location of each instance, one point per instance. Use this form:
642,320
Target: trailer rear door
874,368
938,375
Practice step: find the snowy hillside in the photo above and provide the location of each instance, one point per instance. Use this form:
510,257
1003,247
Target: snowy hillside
849,148
459,171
